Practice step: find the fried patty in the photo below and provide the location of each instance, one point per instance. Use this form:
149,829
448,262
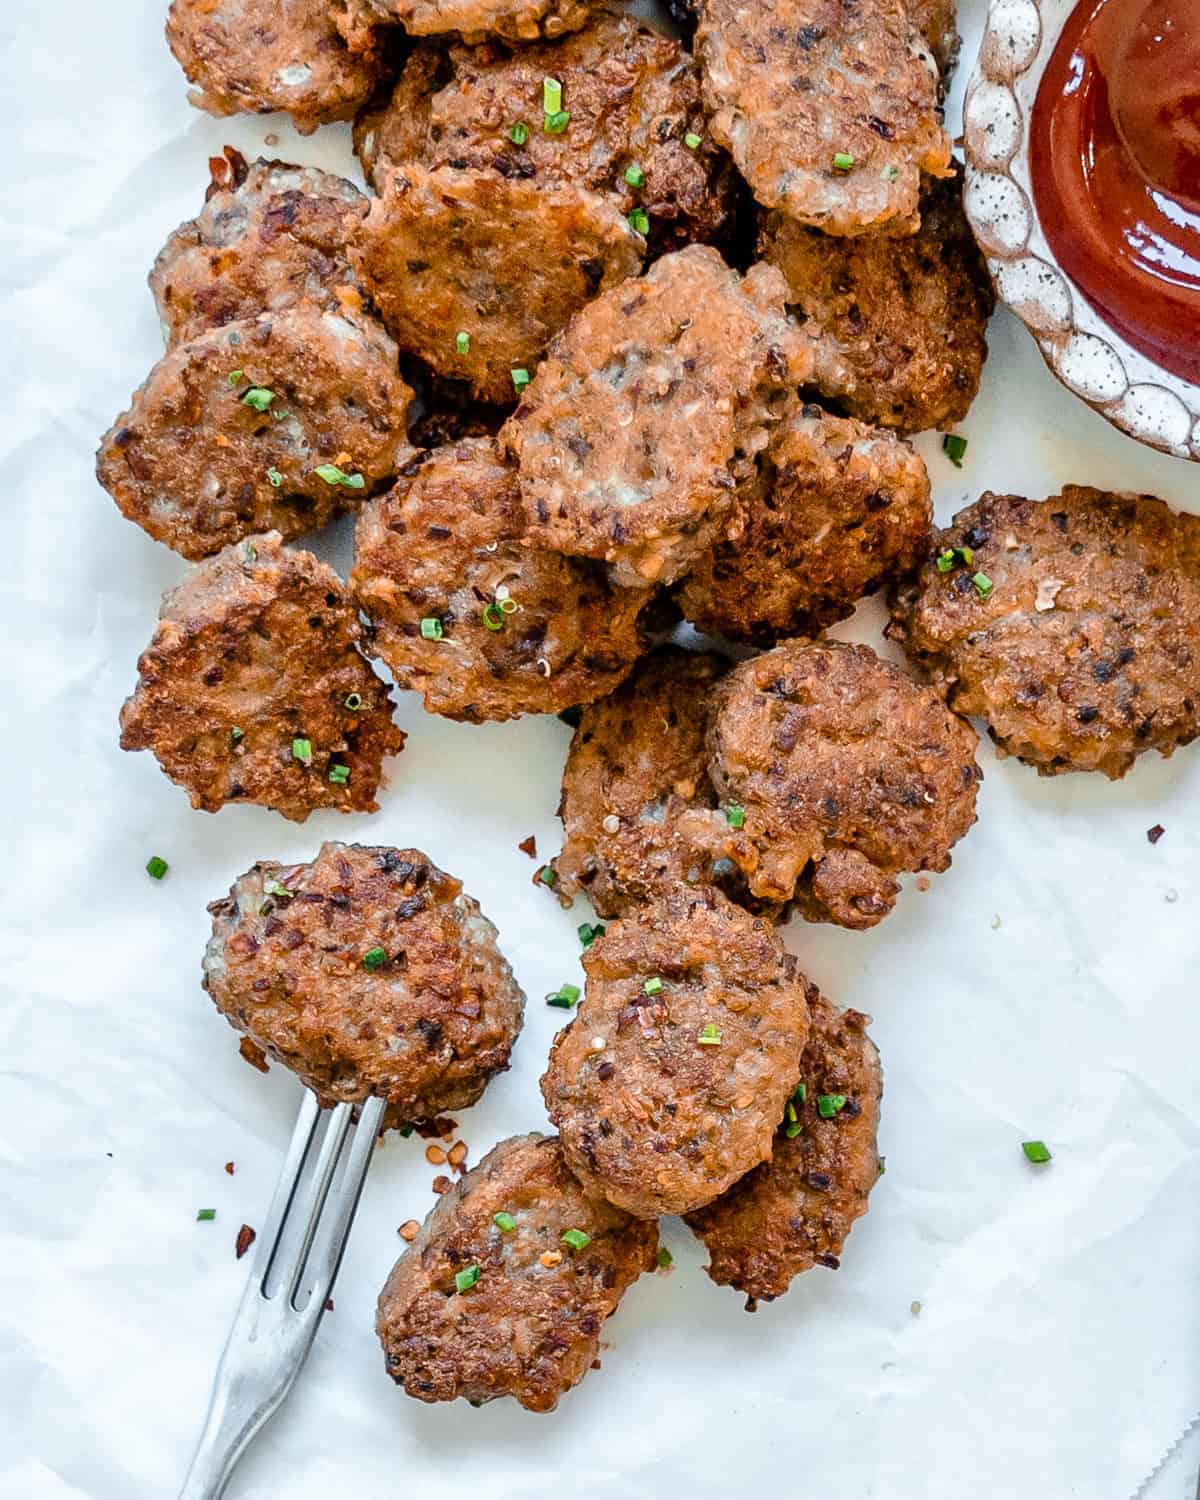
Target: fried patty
269,236
472,20
848,773
368,973
795,1210
256,56
633,97
829,107
1071,626
899,325
670,1080
528,1318
255,689
476,273
650,410
465,612
278,422
838,508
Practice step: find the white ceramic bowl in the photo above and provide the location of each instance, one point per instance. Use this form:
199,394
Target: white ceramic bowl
1093,361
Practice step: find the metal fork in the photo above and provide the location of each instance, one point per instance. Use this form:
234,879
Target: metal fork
276,1322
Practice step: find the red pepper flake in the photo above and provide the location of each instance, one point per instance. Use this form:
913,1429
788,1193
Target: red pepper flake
529,846
442,1184
435,1156
595,1364
1155,833
440,1129
230,1168
457,1154
409,1230
245,1238
254,1054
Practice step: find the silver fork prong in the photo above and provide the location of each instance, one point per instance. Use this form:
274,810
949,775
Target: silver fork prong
271,1337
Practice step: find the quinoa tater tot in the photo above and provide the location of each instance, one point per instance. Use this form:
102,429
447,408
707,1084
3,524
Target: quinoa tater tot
505,1290
838,508
269,236
669,1082
1069,625
476,273
848,774
828,107
275,423
369,973
795,1210
650,410
465,612
255,689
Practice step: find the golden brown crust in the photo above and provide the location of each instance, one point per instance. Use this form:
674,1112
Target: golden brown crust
198,468
530,1325
448,543
255,56
846,152
632,94
650,410
937,21
838,508
668,1084
899,325
473,20
849,773
1083,654
426,1028
258,647
269,236
505,262
795,1210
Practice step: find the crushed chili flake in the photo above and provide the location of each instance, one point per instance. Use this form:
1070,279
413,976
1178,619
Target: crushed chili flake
230,1168
245,1238
254,1054
440,1129
441,1184
1155,833
435,1156
529,846
457,1154
409,1230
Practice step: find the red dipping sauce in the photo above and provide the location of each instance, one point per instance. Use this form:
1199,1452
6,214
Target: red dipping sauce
1115,162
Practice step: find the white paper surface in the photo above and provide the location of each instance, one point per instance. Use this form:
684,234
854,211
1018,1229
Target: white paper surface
1057,1351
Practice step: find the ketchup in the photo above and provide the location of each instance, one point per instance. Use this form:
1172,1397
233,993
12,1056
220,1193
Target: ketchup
1115,161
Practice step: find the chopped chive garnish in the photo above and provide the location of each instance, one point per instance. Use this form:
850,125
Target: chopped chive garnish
205,1215
236,734
462,343
555,124
800,1093
465,1279
272,887
653,986
792,1129
493,616
790,1111
983,584
692,141
520,379
735,815
954,447
545,876
258,397
576,1239
639,221
331,474
354,702
663,1257
374,958
508,606
339,775
842,161
634,175
518,134
302,751
156,868
709,1035
1036,1151
589,932
275,477
551,96
949,558
235,376
406,1131
829,1105
565,997
505,1223
431,628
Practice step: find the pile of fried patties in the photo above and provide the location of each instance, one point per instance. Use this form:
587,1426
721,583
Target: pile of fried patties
627,334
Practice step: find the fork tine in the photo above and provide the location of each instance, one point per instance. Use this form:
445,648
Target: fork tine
310,1202
345,1198
285,1187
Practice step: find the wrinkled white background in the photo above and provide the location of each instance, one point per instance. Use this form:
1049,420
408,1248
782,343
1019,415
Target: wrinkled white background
1057,1352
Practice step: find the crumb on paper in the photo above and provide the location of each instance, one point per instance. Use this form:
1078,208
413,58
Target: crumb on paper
995,922
409,1230
271,140
922,882
1172,895
1155,833
230,1168
915,1309
457,1155
245,1238
328,1304
441,1184
529,846
435,1156
254,1055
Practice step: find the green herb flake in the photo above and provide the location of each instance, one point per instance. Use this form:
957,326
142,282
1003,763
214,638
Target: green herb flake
406,1131
236,734
1036,1151
576,1239
258,397
589,932
272,887
565,997
505,1223
634,175
891,173
520,379
663,1258
551,96
332,475
652,986
735,815
945,560
156,867
556,124
236,376
829,1105
431,628
462,343
842,161
275,478
205,1215
639,221
493,616
800,1093
339,775
518,134
374,958
302,751
692,141
790,1112
792,1129
465,1279
983,584
545,876
954,446
709,1035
